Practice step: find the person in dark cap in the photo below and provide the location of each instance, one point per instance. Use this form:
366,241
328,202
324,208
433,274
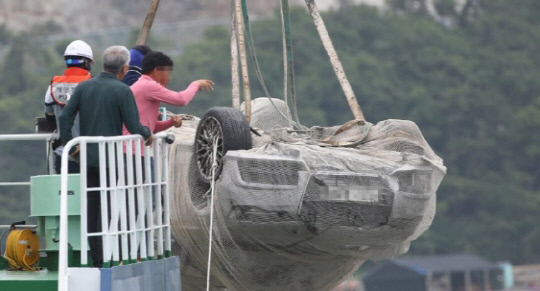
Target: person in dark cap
137,54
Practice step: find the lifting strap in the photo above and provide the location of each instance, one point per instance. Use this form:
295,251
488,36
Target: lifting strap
334,60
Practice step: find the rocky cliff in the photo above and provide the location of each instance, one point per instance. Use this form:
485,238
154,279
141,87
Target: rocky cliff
79,15
82,16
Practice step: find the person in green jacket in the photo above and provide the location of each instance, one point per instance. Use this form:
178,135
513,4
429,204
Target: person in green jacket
104,104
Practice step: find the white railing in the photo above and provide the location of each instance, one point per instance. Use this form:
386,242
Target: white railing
138,205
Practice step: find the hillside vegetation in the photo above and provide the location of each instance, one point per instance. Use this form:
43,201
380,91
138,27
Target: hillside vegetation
473,88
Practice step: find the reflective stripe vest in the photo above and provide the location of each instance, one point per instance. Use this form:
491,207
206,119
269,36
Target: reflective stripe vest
62,87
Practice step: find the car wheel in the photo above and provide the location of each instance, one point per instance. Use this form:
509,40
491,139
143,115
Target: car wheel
225,127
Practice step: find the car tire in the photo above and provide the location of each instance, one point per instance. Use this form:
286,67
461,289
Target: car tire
227,126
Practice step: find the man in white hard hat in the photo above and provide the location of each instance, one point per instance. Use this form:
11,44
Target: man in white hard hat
79,59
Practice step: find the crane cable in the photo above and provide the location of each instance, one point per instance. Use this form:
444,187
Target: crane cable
252,52
22,249
288,60
251,48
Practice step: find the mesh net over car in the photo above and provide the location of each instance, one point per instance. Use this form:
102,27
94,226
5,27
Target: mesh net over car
302,209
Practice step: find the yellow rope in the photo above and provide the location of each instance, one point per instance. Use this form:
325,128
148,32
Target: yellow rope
22,249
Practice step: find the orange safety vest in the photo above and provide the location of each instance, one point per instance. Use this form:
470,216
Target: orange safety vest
62,87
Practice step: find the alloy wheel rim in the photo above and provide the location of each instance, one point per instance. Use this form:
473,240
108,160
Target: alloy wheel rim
210,134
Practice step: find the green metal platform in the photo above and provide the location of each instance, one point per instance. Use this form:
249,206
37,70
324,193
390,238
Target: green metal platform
21,281
161,273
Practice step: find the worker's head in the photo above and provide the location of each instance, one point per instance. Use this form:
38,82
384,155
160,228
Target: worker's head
79,54
158,66
116,60
137,54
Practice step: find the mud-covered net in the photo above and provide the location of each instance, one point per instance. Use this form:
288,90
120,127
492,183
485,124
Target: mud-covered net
302,209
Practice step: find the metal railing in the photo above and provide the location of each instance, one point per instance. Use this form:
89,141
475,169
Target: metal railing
47,137
135,218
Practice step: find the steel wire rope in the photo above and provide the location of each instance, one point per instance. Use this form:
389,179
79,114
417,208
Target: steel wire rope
288,61
253,53
251,48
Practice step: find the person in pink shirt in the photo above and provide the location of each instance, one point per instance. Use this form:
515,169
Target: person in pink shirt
150,90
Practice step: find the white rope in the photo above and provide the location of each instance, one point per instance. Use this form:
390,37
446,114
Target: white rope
212,184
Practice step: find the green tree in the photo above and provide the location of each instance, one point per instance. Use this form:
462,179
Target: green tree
472,89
